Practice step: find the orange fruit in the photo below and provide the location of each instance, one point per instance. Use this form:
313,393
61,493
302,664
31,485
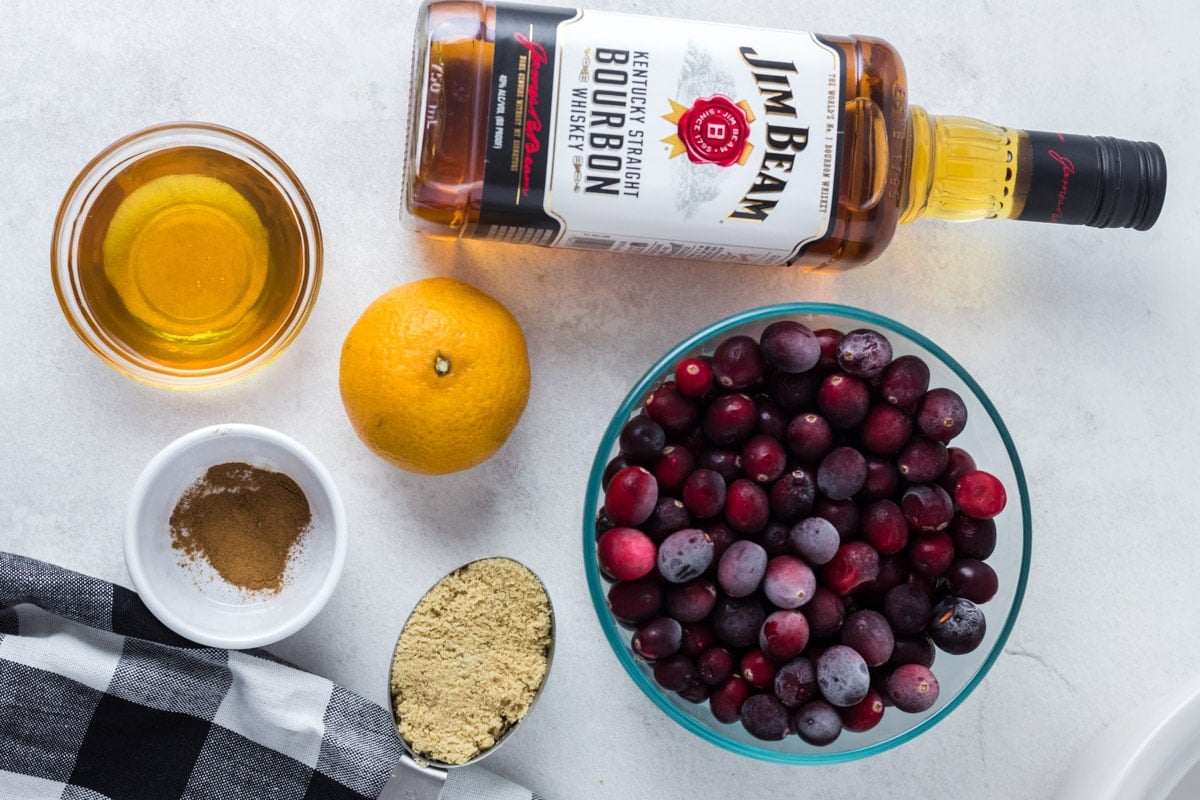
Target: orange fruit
434,376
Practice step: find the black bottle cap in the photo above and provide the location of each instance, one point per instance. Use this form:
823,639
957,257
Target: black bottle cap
1095,180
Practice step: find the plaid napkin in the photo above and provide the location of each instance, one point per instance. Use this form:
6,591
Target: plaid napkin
98,700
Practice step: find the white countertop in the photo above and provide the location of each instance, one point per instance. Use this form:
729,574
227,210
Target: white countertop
1085,340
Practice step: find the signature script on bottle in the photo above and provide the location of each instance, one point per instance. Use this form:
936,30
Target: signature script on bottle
531,138
1068,171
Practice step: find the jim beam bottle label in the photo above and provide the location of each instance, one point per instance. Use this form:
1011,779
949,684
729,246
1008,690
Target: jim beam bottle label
641,135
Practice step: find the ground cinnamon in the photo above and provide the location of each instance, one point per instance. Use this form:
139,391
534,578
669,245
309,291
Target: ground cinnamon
244,521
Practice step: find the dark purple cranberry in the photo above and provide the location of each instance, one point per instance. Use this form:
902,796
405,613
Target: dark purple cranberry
973,538
844,515
885,430
658,638
772,420
695,692
817,723
824,612
809,438
722,536
865,714
893,571
922,460
625,554
672,467
864,353
927,507
788,582
704,493
736,621
815,539
842,473
729,419
842,676
913,688
684,555
675,673
668,516
694,376
884,527
741,568
843,400
917,649
792,496
794,392
958,625
631,497
673,410
774,538
959,462
746,506
726,700
738,363
829,339
932,555
855,564
642,439
765,718
908,609
795,682
972,579
789,346
869,633
784,635
980,494
714,666
882,483
634,602
757,668
941,414
904,382
697,637
726,463
618,463
763,458
691,601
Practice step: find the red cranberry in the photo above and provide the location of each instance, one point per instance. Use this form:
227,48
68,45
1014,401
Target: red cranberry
980,494
668,516
694,376
882,483
913,688
714,666
757,669
795,682
904,382
722,537
824,613
828,338
727,463
631,496
959,463
673,466
868,632
844,515
922,460
854,564
865,714
763,458
809,438
972,579
626,554
843,400
932,555
620,462
927,507
634,602
884,527
885,430
738,363
784,635
670,408
941,414
746,506
697,637
704,493
727,699
691,601
730,419
973,538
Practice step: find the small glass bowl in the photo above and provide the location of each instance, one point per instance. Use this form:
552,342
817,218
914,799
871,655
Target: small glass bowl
80,202
985,437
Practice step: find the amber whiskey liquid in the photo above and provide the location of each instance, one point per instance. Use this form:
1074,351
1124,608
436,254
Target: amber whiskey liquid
873,159
191,258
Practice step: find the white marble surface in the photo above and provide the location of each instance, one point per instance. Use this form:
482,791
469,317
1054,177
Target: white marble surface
1086,340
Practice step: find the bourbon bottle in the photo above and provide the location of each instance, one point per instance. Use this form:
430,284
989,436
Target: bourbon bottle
631,134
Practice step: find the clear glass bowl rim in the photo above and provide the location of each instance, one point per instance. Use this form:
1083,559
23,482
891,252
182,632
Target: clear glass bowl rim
102,168
591,507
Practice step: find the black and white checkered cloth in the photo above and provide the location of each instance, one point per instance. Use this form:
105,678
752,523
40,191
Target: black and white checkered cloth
99,701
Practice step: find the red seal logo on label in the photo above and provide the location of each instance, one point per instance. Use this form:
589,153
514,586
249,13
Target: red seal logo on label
715,130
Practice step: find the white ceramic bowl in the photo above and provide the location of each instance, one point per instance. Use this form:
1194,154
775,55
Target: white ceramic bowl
188,596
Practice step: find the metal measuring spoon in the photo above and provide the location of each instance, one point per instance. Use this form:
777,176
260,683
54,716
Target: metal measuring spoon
419,778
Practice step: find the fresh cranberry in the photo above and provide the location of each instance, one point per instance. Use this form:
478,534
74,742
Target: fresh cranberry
784,635
828,338
882,483
714,666
626,554
885,430
932,555
746,506
763,458
794,392
844,515
691,601
973,538
726,700
959,463
904,382
757,669
980,494
631,497
634,602
675,673
865,714
913,688
854,564
704,493
809,438
824,613
697,637
668,516
843,400
673,466
738,363
927,507
922,460
728,463
694,376
730,419
884,527
673,410
972,579
941,414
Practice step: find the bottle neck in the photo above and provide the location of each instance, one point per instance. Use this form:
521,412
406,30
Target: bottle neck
962,169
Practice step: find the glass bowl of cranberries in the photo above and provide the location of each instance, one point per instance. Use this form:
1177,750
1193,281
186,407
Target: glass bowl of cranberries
807,533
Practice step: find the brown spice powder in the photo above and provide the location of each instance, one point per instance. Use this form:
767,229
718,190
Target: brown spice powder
471,659
244,521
